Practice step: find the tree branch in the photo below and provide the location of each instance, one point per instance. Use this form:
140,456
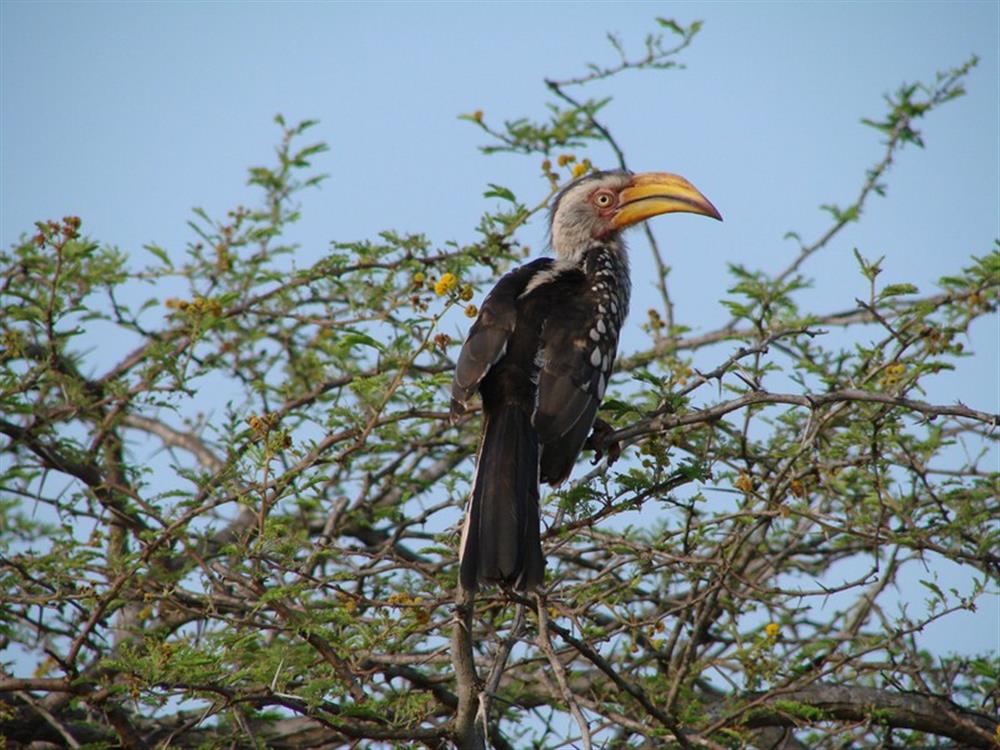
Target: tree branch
664,422
904,711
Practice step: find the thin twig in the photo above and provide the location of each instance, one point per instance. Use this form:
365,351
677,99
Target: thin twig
545,643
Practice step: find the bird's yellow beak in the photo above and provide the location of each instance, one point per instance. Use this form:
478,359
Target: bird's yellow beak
653,193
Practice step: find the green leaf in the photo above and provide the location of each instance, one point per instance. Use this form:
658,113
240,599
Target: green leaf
669,23
869,268
617,407
357,338
933,587
160,253
645,376
895,290
498,191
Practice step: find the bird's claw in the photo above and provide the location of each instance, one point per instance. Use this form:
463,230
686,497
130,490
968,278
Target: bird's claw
596,442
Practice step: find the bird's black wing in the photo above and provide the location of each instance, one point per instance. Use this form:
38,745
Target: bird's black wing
578,353
489,335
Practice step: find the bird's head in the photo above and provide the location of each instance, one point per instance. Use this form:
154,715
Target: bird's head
599,205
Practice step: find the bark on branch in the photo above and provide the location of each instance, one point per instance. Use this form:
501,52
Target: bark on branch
921,713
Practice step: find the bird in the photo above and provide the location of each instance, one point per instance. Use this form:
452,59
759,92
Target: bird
540,354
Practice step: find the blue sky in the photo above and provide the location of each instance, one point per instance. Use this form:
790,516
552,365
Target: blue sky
130,114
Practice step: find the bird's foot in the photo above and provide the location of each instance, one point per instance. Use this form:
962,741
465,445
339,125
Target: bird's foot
596,442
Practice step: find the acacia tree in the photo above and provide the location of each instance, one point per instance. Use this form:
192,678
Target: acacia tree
278,568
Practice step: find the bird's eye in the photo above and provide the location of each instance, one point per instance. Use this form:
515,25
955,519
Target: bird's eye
603,199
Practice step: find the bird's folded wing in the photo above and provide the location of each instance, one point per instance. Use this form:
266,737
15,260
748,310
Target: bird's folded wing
488,337
576,365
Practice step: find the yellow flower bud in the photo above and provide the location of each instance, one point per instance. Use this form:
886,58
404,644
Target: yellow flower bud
892,374
772,629
744,483
471,311
466,293
445,284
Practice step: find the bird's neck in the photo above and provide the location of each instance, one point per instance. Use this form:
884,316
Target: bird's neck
606,267
575,252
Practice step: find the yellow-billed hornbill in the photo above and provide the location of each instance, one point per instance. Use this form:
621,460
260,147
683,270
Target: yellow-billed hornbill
540,354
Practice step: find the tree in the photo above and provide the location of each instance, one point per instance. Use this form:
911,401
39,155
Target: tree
280,570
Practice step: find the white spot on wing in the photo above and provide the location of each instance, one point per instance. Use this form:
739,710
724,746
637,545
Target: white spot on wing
595,357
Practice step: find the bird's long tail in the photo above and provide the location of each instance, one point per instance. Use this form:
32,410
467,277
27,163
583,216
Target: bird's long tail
500,539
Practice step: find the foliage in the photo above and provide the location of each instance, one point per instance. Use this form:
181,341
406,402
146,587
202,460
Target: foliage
241,528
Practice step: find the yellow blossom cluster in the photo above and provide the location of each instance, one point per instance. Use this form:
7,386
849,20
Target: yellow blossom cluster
197,306
445,284
579,170
744,483
349,603
892,374
403,599
772,629
12,345
262,424
682,372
